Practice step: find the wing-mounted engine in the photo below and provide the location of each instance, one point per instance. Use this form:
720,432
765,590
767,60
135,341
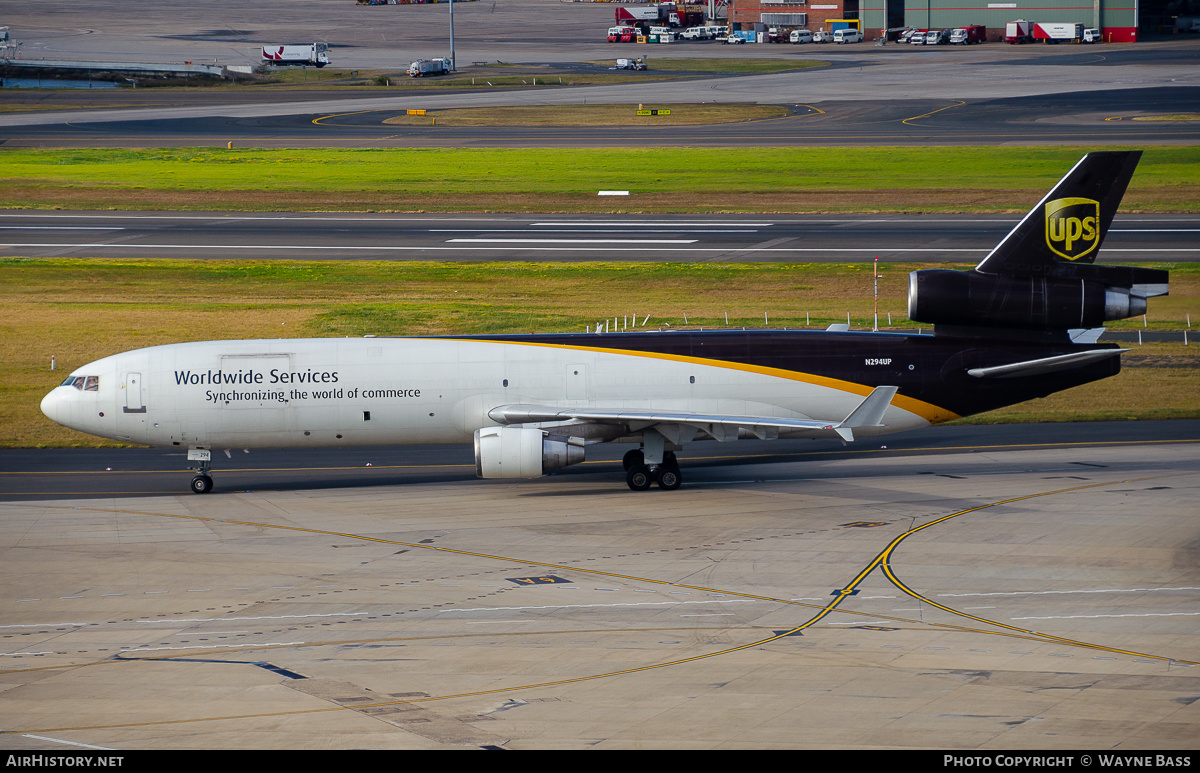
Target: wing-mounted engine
523,452
1041,278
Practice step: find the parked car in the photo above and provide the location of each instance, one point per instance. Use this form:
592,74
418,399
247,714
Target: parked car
733,39
822,36
847,36
800,36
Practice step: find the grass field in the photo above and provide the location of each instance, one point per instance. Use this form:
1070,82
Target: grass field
760,180
79,310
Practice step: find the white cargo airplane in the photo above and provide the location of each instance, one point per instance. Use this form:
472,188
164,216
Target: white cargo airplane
1022,324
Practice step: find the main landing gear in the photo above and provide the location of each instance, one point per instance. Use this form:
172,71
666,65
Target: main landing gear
640,476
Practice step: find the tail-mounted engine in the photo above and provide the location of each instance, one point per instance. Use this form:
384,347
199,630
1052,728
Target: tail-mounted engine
973,299
523,452
1041,278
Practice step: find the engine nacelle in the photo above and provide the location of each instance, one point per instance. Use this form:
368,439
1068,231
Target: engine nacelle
523,452
969,298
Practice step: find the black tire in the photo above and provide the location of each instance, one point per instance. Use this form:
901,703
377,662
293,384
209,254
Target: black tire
669,477
633,459
202,484
639,478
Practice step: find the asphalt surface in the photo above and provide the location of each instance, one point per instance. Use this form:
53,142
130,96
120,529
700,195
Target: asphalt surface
798,238
35,474
1079,117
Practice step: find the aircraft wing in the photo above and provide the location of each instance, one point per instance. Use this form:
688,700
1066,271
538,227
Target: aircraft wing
869,413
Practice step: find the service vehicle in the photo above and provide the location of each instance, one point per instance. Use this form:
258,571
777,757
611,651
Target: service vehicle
822,36
621,34
1019,31
1091,35
1058,32
733,39
316,54
974,33
426,67
800,36
917,38
937,37
697,33
847,36
631,64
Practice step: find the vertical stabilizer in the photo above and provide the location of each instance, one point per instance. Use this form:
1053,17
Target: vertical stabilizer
1069,224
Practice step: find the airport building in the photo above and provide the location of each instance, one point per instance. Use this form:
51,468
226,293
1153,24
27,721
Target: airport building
1116,19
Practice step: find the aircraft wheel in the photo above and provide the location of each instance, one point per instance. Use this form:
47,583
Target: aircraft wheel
202,484
633,459
639,478
669,477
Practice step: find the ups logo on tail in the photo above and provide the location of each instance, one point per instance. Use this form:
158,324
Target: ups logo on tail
1072,227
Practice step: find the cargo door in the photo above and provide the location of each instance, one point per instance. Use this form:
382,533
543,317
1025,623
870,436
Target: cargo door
133,393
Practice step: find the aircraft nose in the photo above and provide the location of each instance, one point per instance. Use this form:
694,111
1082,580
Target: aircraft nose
52,406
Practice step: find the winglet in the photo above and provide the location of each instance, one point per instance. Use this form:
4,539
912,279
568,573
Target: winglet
869,412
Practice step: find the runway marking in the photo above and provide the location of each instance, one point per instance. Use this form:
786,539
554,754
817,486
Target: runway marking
958,103
607,231
1064,592
637,223
575,241
586,606
317,121
440,248
1089,617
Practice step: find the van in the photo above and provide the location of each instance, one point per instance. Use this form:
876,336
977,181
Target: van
822,36
847,36
800,36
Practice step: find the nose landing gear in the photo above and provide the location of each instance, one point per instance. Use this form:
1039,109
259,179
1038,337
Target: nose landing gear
203,482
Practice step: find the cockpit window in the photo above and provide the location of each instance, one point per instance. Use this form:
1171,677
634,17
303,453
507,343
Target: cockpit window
83,383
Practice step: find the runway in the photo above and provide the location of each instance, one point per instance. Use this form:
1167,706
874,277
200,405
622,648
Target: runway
681,238
974,596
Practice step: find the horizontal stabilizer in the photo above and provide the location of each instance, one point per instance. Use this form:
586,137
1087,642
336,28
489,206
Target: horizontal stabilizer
1045,364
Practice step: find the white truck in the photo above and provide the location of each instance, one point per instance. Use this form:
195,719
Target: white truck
424,67
309,53
1058,32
